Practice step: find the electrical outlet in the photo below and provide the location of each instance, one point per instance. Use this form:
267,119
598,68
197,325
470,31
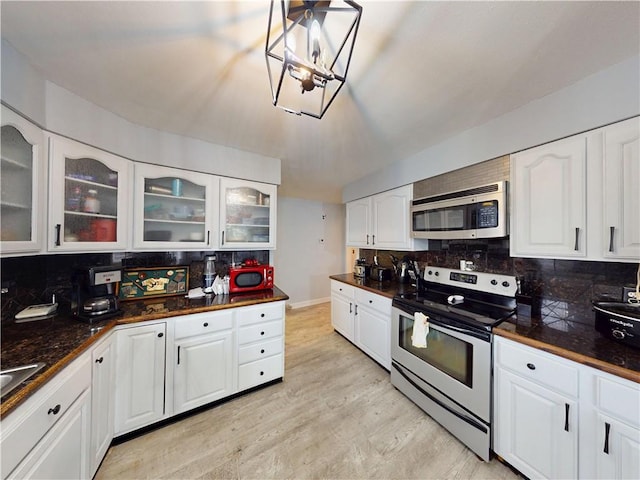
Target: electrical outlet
628,294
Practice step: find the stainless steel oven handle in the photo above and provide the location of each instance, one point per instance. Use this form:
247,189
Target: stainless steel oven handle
461,416
463,331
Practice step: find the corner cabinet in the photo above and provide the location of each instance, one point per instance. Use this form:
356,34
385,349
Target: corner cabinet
174,209
382,221
23,170
247,215
89,198
102,406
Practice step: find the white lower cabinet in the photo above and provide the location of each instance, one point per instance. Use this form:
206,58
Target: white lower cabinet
204,360
545,406
48,436
260,344
140,375
342,309
373,326
102,401
363,318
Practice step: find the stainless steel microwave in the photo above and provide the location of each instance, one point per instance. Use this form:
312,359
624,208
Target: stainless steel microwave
479,212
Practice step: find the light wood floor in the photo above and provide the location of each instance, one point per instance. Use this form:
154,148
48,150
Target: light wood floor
335,416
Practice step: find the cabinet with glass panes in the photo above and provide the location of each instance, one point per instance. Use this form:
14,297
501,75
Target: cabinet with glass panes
248,214
89,193
22,177
174,209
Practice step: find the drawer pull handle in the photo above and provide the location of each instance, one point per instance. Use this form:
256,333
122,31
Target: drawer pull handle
178,354
261,333
262,350
607,427
57,242
350,307
531,366
99,360
261,373
205,324
612,231
576,247
55,410
566,417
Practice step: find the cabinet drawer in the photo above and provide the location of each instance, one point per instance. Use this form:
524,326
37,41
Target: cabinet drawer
371,300
260,331
260,371
342,288
546,369
618,399
257,351
24,428
260,313
199,323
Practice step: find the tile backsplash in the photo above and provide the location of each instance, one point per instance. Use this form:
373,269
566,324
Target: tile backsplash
565,288
33,279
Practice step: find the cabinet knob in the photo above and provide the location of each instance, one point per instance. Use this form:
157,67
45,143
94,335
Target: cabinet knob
370,301
99,360
262,350
531,366
262,315
261,333
55,410
261,373
160,335
205,324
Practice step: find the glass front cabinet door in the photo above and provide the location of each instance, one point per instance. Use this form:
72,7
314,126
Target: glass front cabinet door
89,197
248,215
174,209
23,177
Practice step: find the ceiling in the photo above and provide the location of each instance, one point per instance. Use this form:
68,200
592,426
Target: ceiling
421,72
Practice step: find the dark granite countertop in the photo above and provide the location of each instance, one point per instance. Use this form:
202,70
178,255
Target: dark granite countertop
57,341
574,339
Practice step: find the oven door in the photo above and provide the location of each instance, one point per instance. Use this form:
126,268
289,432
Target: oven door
456,362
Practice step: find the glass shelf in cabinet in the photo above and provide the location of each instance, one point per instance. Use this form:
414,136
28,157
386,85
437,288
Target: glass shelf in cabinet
14,164
174,197
16,206
87,214
90,183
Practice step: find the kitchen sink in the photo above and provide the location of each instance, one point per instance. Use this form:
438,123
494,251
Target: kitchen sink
11,378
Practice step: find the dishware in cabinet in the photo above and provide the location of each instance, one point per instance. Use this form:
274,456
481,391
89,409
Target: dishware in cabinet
23,176
248,214
88,196
174,208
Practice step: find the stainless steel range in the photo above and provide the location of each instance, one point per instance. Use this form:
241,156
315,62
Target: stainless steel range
441,348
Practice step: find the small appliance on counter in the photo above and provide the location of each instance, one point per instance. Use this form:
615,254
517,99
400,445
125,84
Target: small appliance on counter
94,293
361,269
619,321
250,276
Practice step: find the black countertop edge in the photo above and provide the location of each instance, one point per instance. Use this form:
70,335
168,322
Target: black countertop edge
60,339
575,339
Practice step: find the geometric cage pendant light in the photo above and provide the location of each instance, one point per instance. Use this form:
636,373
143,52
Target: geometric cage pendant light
308,51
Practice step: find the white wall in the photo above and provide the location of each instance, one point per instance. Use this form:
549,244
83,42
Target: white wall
605,97
302,263
60,111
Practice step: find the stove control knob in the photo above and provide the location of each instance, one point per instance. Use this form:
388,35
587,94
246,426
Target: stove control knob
430,272
619,334
505,284
494,282
437,274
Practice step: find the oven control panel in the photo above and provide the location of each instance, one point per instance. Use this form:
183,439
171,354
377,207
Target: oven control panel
481,281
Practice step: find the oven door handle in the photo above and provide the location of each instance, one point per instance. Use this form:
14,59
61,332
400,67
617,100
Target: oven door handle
461,416
486,336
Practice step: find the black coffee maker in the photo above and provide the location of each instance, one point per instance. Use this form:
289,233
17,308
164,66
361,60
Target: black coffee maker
94,293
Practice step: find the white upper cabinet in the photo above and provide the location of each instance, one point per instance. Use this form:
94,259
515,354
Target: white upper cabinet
23,178
247,215
382,221
621,192
174,209
89,198
578,198
548,209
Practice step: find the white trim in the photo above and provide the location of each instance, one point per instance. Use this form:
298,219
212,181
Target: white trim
308,303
